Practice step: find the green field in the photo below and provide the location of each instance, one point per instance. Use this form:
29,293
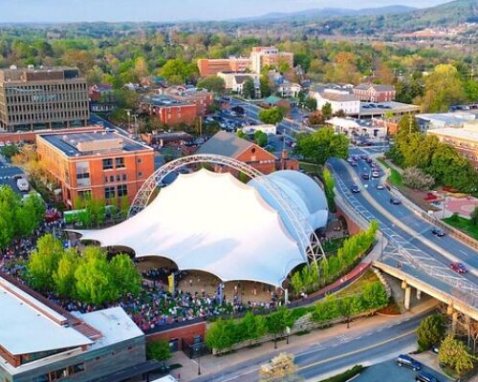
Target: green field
395,178
464,225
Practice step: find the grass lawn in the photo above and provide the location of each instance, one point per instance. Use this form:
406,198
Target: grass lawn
357,287
395,177
464,225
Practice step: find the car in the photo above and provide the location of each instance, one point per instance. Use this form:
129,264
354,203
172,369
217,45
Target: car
426,377
369,160
354,164
22,184
380,187
365,176
458,268
438,232
350,160
395,201
407,361
355,189
375,174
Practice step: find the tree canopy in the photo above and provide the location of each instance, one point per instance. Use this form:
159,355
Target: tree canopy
272,116
322,145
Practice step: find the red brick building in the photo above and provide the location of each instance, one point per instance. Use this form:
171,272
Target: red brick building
374,93
230,145
211,67
104,165
201,98
99,92
169,110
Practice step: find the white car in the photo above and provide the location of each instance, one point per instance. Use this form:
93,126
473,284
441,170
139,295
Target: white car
23,185
375,174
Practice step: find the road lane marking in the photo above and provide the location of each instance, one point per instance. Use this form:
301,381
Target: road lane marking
357,351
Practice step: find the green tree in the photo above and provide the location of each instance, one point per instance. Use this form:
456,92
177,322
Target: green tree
272,116
249,89
374,296
326,310
125,275
311,103
220,335
253,326
322,145
454,354
9,205
94,284
296,282
64,275
327,111
278,322
43,263
31,214
264,87
158,350
349,306
260,138
431,332
176,71
213,84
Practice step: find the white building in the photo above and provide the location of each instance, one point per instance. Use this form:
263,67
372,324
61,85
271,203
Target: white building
235,81
289,90
338,99
444,120
358,129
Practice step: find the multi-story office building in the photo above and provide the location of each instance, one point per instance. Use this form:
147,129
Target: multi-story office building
33,99
169,110
101,164
262,57
211,67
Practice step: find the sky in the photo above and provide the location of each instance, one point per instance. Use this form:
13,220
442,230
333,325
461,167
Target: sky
12,11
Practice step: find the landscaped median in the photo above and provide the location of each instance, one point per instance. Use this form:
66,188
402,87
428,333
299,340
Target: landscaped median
346,375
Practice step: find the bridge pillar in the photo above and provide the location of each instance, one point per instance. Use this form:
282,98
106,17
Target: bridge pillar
454,322
408,295
419,294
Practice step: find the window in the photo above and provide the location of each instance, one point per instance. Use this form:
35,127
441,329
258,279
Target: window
119,162
76,368
122,190
107,164
124,177
109,192
112,178
140,174
118,177
139,160
83,174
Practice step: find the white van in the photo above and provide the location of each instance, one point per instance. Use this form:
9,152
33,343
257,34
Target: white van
22,184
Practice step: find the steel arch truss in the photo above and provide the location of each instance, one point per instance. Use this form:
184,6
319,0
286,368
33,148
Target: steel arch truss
305,236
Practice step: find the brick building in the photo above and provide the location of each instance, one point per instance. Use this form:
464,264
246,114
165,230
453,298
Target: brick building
269,56
230,145
199,97
211,67
105,165
374,92
32,99
169,110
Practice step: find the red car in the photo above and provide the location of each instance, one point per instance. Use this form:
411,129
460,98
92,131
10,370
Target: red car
52,215
458,268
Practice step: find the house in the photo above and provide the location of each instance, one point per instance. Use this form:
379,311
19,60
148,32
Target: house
338,99
169,110
289,90
374,92
235,81
100,92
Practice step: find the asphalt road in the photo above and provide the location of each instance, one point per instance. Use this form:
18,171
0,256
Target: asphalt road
372,346
7,172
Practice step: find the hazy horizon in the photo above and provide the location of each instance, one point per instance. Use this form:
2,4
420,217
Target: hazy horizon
63,11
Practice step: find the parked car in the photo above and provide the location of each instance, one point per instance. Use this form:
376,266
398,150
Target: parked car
458,268
395,201
23,185
426,377
355,189
407,361
438,232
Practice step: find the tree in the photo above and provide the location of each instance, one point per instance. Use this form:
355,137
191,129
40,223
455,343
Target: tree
454,354
260,138
125,275
349,306
417,179
249,89
278,322
316,118
264,87
213,84
9,204
272,116
94,284
327,111
64,275
311,103
474,217
374,296
220,335
253,326
326,310
431,331
43,263
321,145
443,88
176,71
158,350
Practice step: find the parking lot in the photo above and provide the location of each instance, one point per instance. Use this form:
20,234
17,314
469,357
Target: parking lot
390,372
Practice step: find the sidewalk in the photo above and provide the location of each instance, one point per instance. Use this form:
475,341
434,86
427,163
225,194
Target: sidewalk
211,364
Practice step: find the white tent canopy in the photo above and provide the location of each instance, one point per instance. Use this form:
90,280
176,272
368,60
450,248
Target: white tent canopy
213,223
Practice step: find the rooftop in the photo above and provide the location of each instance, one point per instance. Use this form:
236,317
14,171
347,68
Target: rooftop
463,134
89,143
227,144
338,96
448,118
32,326
164,101
380,108
377,87
32,74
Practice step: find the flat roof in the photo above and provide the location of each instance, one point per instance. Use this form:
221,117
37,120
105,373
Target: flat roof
371,108
448,118
29,326
69,143
115,325
459,133
165,101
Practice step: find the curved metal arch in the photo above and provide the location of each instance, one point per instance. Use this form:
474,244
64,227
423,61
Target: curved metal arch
308,242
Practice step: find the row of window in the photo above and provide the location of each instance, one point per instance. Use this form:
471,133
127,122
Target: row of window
119,178
33,118
108,163
118,191
61,373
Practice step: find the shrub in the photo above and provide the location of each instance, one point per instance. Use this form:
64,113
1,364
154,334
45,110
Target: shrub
415,178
